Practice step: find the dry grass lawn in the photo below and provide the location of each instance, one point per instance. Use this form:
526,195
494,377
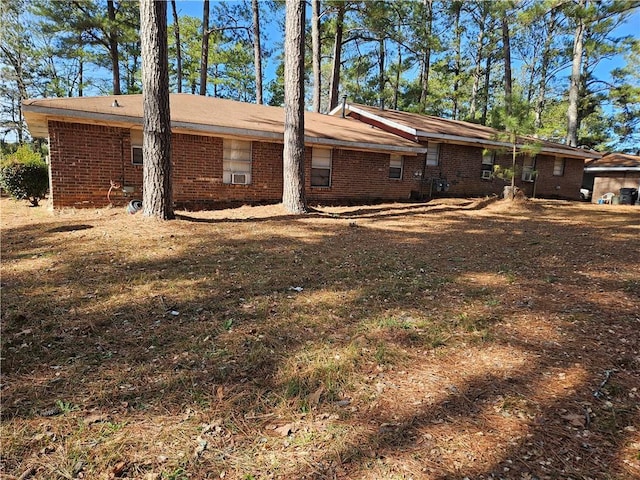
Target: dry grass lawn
448,340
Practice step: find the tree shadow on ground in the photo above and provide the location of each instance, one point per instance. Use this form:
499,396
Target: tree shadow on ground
210,318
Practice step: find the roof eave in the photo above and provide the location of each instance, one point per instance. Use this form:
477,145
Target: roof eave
426,136
398,126
364,145
612,169
131,121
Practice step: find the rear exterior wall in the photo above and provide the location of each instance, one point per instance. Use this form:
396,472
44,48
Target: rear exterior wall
86,160
461,166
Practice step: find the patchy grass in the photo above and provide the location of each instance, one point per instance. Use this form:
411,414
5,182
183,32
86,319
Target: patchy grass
443,340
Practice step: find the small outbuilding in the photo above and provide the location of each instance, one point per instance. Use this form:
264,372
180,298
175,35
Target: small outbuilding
611,174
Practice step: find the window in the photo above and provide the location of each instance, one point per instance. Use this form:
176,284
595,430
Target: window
558,167
137,157
136,147
321,167
433,154
528,173
395,167
236,162
488,160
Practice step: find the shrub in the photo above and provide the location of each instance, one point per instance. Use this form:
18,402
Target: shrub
24,175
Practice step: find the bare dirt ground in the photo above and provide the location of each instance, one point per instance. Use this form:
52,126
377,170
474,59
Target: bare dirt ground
454,339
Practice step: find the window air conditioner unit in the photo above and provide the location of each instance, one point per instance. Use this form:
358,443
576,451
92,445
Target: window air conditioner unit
487,174
239,178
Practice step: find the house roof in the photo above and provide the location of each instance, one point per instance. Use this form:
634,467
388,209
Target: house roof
614,162
425,128
214,116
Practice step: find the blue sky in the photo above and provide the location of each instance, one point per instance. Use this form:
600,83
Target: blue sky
273,34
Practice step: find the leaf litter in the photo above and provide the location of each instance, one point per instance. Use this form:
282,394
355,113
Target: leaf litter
457,338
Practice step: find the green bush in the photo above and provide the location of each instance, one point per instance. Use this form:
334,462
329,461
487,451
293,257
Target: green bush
24,175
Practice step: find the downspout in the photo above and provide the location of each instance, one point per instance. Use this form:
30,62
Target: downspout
49,171
535,178
122,159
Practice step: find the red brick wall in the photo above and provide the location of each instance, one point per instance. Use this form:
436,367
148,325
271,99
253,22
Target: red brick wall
566,186
86,158
357,175
462,167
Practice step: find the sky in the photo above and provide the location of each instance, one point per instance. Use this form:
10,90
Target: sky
273,34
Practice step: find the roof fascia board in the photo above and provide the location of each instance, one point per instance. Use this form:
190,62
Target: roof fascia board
338,109
481,142
398,126
81,114
612,169
363,146
226,131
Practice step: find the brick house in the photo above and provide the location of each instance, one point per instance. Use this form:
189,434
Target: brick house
463,155
611,173
223,152
226,152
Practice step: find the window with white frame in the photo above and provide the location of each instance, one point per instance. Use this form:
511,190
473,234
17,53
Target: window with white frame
488,160
321,167
236,161
558,167
136,147
433,154
395,167
528,166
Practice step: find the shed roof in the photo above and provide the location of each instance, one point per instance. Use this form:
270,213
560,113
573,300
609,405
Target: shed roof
614,162
424,128
215,116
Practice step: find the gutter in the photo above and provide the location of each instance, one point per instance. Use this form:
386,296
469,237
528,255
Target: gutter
611,169
496,143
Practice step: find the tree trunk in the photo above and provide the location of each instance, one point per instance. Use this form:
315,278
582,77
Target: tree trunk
81,58
396,87
458,58
509,193
476,77
204,53
544,67
337,54
477,74
16,59
576,66
506,48
426,58
156,195
293,156
113,47
176,31
381,79
257,50
315,41
487,83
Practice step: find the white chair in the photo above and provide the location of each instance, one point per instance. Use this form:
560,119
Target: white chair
607,197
